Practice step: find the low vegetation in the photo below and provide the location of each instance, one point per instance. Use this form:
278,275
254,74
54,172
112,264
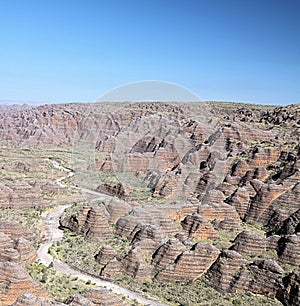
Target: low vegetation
75,250
196,293
28,217
62,286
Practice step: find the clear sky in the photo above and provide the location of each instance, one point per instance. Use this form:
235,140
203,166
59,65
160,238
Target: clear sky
225,50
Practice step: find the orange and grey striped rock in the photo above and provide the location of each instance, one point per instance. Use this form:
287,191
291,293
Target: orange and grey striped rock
15,281
106,254
198,227
186,265
250,243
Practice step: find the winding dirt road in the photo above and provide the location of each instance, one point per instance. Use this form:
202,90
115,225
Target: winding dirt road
53,234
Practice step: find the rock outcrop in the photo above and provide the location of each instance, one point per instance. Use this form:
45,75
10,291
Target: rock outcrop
188,265
231,273
19,250
289,294
126,226
198,227
93,222
289,250
105,255
15,281
250,243
15,230
102,296
224,269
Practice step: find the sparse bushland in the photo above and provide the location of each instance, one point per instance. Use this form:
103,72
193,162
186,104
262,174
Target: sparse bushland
76,251
36,164
60,285
28,217
92,179
196,293
226,237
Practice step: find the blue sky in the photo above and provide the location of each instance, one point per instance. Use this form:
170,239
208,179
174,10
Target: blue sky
68,50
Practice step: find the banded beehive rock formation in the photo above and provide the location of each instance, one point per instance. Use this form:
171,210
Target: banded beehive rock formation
178,210
106,254
15,230
259,277
116,209
188,265
120,190
218,211
289,250
135,264
291,225
112,270
289,293
250,243
198,227
141,216
79,300
19,250
15,281
224,269
166,254
93,222
264,277
148,231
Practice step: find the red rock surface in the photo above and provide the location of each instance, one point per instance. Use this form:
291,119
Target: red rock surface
15,281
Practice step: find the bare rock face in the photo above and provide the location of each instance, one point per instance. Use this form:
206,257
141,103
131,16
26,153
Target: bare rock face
126,226
78,300
289,250
218,211
198,227
227,224
249,242
166,254
93,222
148,231
264,277
291,225
224,269
116,209
15,281
188,265
120,190
19,250
106,254
231,273
15,230
96,225
178,210
112,270
135,264
272,242
289,294
20,195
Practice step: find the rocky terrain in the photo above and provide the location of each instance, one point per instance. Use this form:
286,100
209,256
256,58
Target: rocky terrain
204,192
